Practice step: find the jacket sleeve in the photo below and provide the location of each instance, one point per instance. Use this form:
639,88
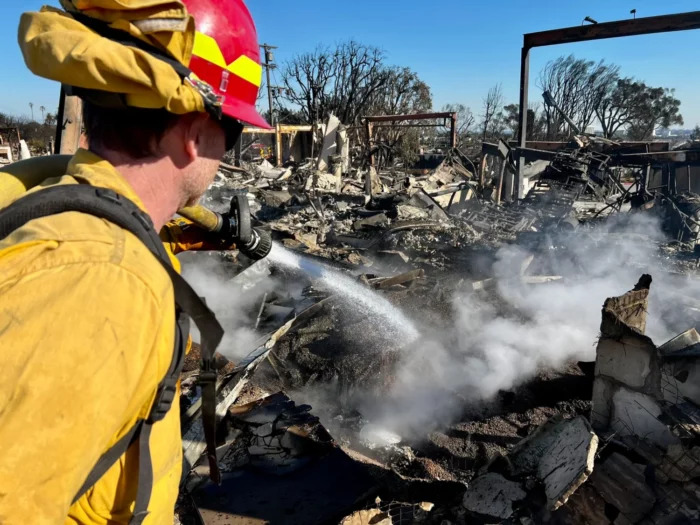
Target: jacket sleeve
181,235
80,363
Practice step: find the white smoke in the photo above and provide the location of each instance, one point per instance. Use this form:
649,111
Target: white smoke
498,344
234,300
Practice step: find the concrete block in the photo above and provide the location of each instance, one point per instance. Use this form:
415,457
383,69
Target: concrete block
568,462
493,495
637,414
628,360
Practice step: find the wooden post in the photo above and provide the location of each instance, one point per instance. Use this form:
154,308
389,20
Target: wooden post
278,145
68,124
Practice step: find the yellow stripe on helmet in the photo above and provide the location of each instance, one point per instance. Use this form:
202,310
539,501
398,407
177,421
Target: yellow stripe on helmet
207,48
247,69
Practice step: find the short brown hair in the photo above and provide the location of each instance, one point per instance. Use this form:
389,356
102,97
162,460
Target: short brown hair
133,131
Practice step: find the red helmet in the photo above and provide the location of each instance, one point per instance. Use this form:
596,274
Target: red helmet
226,56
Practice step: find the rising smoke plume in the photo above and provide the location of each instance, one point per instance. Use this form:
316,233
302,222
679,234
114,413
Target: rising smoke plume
497,345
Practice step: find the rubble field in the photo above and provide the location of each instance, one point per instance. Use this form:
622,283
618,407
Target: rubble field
419,348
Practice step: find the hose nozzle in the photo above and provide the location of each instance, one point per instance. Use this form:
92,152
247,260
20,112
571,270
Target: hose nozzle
234,227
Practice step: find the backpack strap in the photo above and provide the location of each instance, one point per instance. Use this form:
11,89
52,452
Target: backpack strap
117,209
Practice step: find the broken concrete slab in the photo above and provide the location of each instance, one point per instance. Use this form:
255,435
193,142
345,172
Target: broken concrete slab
560,453
677,504
629,360
638,414
622,484
294,471
527,453
568,462
493,495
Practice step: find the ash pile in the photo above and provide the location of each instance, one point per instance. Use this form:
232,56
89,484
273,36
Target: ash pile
421,346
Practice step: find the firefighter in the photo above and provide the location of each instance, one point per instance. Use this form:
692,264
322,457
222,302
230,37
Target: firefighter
88,320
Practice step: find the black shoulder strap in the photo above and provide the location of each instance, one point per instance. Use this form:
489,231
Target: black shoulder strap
117,209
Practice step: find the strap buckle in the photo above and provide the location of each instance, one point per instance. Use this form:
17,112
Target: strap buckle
163,401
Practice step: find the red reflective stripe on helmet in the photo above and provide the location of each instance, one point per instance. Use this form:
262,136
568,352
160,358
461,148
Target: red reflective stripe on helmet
214,76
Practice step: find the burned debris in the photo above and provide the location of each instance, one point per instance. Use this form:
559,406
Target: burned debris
358,396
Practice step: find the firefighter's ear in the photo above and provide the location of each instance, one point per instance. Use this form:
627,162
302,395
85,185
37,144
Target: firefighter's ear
196,133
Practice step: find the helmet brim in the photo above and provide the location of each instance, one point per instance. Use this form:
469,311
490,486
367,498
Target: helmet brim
243,112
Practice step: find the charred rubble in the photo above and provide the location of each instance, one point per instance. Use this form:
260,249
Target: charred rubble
613,439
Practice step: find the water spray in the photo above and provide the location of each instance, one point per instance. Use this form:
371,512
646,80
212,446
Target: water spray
390,318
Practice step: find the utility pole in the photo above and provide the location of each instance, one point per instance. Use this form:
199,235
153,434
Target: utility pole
269,65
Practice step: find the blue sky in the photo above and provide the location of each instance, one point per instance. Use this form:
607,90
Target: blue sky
460,48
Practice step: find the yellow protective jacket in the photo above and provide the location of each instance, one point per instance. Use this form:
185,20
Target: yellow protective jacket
87,332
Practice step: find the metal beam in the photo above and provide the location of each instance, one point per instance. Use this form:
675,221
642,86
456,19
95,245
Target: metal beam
417,116
522,127
615,147
639,26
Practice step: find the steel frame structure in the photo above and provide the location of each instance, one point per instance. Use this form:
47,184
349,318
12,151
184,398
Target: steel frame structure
638,26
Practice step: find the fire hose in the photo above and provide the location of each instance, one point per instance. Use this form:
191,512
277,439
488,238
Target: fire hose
234,226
